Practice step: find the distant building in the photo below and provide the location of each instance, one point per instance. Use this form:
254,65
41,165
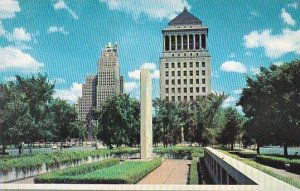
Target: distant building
108,74
185,63
97,88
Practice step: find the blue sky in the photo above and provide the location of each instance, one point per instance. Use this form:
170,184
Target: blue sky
64,38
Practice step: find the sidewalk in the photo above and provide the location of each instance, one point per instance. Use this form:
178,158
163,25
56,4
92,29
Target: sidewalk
170,172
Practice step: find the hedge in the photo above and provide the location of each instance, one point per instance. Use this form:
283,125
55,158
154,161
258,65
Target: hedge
126,173
194,175
58,176
295,166
276,162
56,158
191,151
247,154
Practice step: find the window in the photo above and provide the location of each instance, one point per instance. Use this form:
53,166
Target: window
191,97
184,64
178,65
178,81
172,42
191,64
203,64
178,42
185,90
184,73
191,73
173,65
179,98
173,73
197,39
185,98
173,90
167,90
197,89
197,72
197,64
203,89
191,42
167,73
191,90
203,81
185,81
203,40
179,90
191,81
167,98
203,72
197,81
178,73
167,43
173,98
184,42
167,82
167,65
173,82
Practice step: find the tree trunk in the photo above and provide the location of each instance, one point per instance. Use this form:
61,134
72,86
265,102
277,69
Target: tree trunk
30,148
285,150
231,145
3,149
257,149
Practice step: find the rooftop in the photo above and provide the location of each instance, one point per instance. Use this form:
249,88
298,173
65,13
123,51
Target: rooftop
185,18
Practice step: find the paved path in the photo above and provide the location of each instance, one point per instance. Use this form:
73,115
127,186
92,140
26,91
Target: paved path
24,181
170,172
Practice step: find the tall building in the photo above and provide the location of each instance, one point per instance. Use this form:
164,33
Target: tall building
97,88
108,74
88,100
185,62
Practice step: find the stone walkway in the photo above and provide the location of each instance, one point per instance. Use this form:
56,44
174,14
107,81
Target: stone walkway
24,181
170,172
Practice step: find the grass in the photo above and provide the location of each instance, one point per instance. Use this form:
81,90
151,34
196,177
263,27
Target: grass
125,173
192,152
264,169
194,176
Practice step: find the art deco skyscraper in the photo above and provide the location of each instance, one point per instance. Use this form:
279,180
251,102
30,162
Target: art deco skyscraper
185,62
108,74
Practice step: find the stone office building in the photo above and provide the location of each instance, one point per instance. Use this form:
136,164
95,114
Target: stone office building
185,63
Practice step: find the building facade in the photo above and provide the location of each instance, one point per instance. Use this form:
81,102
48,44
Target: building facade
97,88
108,74
185,63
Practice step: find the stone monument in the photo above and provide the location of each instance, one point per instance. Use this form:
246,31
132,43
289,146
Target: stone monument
146,114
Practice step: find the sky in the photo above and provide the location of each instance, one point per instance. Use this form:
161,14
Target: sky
64,39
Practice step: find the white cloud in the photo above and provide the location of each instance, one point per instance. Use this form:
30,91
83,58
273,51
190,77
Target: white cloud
8,9
239,91
275,45
129,86
287,18
294,5
233,66
230,101
255,70
61,5
150,66
154,9
135,74
2,31
12,58
19,34
71,94
56,29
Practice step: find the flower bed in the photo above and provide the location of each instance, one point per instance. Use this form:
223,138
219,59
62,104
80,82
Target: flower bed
126,173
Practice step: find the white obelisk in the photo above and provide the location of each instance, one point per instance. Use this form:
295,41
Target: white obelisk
146,115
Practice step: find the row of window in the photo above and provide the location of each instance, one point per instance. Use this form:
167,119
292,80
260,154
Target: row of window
185,73
183,98
184,81
172,65
185,90
185,42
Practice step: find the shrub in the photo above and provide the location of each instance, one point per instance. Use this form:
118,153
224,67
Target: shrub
295,166
57,176
194,176
276,162
126,173
180,151
247,154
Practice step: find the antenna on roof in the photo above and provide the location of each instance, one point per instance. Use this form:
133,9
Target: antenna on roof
184,10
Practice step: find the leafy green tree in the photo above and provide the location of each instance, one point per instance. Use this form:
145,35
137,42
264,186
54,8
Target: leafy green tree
119,121
271,103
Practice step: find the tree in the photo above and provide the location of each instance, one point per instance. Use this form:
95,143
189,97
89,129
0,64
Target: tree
271,103
229,132
119,121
